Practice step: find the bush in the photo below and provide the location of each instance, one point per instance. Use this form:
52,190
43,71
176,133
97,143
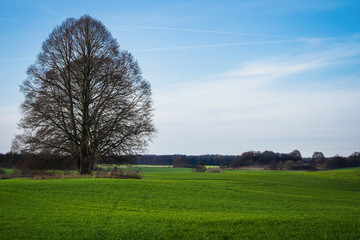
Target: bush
2,171
200,167
274,165
134,173
289,165
42,174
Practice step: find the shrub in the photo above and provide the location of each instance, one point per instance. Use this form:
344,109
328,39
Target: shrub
134,173
274,165
200,167
289,164
42,174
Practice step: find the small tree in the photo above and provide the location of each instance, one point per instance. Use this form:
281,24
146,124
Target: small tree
267,157
296,155
247,158
178,162
237,162
200,167
317,155
354,159
222,163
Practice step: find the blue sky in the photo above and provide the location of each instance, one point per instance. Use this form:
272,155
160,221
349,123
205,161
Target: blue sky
227,76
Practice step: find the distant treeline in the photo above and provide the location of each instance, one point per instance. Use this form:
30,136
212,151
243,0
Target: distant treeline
31,161
46,161
188,160
268,159
245,159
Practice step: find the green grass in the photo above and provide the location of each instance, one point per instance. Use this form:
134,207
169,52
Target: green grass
153,166
175,203
7,170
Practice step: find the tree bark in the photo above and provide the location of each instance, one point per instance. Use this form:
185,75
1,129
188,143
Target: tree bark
86,160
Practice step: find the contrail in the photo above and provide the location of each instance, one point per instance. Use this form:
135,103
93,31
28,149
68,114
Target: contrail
249,43
211,31
218,45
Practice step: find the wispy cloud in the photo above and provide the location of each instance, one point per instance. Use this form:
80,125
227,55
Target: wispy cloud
210,31
288,64
45,9
250,43
221,45
245,107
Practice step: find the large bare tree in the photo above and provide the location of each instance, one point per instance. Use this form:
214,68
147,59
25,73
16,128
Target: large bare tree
84,97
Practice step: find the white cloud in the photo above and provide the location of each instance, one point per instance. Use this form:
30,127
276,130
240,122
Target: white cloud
241,109
284,40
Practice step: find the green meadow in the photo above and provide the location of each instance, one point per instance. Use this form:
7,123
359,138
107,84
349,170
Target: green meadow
176,203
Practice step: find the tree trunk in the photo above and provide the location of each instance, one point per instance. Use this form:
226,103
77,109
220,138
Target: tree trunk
86,165
85,168
86,160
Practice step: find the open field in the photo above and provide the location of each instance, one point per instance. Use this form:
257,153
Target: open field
8,171
175,203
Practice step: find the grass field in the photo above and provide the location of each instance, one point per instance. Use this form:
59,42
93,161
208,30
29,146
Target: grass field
175,203
8,171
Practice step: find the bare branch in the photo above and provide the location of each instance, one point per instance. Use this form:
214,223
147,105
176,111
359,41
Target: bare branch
84,97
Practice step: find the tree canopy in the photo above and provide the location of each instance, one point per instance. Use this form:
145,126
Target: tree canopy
85,98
